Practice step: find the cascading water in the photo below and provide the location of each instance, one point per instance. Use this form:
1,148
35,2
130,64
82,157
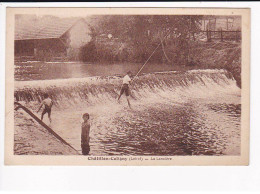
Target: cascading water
174,113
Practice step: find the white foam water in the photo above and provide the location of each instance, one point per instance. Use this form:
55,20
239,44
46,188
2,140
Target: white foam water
174,113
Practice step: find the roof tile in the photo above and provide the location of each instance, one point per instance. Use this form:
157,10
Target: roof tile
43,29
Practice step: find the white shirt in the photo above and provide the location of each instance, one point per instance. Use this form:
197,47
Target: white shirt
126,79
47,102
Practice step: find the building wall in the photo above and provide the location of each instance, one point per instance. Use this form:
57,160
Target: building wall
42,49
24,48
77,37
48,49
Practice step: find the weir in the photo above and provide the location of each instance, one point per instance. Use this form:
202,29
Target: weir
94,90
174,113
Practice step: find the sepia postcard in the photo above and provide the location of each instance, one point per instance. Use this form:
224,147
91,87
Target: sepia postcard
127,86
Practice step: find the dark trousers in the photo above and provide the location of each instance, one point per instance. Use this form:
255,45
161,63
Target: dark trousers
85,149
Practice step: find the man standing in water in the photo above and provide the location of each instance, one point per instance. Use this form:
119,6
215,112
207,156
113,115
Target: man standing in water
47,102
85,128
125,87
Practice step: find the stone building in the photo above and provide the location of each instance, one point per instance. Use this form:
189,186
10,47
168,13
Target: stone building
50,38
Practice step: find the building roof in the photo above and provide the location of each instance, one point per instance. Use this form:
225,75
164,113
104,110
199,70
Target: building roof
44,28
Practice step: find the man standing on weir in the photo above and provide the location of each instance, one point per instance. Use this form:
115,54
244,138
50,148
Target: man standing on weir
125,87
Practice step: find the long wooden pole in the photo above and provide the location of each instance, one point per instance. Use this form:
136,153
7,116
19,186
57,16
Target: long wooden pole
43,124
150,56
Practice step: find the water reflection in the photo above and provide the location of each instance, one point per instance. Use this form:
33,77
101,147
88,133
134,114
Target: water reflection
46,71
63,70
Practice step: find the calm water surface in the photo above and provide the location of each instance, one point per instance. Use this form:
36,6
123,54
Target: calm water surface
46,71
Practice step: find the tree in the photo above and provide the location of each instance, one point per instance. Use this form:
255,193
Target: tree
142,33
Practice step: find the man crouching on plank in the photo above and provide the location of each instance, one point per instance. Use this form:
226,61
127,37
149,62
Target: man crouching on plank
47,103
125,87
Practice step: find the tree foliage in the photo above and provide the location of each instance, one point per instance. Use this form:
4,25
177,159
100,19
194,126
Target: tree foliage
140,34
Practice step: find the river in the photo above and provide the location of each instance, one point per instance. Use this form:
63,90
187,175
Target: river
194,112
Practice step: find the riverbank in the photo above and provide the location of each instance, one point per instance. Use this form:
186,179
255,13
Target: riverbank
32,139
177,56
